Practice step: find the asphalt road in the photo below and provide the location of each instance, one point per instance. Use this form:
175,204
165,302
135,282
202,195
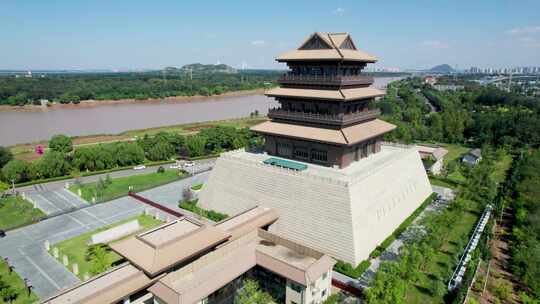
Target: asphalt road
25,247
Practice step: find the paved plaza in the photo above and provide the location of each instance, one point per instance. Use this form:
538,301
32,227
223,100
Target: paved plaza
25,248
55,201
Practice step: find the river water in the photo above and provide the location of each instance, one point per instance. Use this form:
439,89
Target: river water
26,127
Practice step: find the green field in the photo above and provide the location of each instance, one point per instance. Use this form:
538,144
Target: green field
17,284
119,187
15,211
77,248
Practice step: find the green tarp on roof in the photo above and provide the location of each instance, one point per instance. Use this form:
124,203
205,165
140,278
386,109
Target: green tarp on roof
285,164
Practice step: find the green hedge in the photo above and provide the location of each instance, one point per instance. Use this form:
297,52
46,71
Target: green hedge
197,187
399,230
209,214
348,270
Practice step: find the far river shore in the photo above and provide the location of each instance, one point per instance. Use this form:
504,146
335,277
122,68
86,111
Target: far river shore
95,103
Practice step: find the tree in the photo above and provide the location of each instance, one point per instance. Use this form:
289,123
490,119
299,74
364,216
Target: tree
99,258
61,143
251,294
5,156
53,164
17,171
195,145
8,294
388,287
437,288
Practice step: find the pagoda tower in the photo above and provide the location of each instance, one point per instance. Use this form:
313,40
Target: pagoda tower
336,186
324,115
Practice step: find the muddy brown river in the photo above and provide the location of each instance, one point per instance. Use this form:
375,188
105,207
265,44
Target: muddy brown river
27,127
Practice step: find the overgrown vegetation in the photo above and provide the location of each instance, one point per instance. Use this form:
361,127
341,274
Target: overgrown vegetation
525,237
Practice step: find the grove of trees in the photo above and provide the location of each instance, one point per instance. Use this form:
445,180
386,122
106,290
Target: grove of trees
72,88
61,159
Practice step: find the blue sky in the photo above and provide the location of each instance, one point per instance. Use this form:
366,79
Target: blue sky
76,34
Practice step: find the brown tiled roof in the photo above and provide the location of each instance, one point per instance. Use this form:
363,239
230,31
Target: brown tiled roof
196,281
337,95
250,220
334,40
170,244
346,136
109,287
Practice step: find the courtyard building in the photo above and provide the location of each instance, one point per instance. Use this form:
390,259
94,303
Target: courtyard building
188,262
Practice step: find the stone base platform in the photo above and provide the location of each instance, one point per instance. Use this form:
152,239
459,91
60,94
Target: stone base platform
343,212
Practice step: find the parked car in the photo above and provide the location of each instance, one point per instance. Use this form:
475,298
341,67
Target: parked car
139,167
2,233
188,164
175,166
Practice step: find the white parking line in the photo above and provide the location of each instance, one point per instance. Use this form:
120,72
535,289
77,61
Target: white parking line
68,200
39,269
48,202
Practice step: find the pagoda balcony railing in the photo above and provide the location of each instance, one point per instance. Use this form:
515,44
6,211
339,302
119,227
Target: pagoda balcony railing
334,80
329,119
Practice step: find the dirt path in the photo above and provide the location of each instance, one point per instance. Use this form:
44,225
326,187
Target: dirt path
499,271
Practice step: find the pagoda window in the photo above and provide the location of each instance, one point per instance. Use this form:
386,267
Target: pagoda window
301,153
284,149
319,156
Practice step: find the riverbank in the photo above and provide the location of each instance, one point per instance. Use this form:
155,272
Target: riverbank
96,103
26,151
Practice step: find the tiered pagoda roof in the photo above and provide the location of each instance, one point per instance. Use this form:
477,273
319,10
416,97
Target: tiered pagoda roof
325,115
331,46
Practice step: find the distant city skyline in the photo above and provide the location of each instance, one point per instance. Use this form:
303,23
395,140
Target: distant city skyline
125,34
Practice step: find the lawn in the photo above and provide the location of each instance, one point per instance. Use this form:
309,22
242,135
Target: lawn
77,248
443,260
119,187
15,211
454,152
439,182
14,281
501,165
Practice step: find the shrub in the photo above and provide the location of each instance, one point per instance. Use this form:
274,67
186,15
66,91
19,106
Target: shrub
348,270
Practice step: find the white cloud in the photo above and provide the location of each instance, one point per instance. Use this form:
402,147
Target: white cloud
338,11
258,43
523,30
436,44
529,42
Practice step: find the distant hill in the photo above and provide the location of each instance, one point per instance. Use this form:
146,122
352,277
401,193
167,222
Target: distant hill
442,69
199,68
